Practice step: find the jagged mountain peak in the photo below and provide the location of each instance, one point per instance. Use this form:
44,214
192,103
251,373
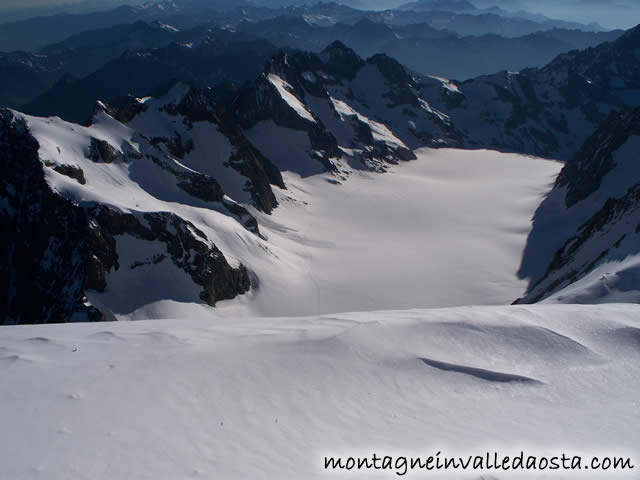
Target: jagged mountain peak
341,60
633,34
339,49
392,70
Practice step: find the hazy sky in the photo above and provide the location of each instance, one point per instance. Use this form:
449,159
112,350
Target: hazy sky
53,3
609,13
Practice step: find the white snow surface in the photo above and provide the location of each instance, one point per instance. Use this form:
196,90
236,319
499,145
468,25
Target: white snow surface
289,150
447,229
267,398
614,281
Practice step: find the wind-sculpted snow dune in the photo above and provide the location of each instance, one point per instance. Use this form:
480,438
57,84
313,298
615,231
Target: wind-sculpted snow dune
256,398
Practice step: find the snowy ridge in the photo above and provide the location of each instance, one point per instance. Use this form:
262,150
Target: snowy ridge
284,90
380,132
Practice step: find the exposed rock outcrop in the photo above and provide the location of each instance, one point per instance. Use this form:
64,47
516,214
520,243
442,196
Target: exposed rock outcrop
44,239
54,250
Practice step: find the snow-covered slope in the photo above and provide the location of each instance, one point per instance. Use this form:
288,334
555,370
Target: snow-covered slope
269,398
587,231
447,229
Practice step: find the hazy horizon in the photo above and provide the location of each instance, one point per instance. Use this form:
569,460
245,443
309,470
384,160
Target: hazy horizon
609,14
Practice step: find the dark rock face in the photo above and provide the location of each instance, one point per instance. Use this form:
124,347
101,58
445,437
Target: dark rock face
195,184
342,62
584,172
218,55
252,164
403,87
43,243
54,251
201,186
122,108
70,171
102,258
187,247
612,68
101,151
243,215
200,105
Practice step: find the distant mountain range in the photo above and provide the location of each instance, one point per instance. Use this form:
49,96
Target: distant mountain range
449,39
487,14
616,13
547,111
92,64
218,56
34,33
430,50
24,76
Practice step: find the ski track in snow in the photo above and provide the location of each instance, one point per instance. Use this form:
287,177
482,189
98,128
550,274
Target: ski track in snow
265,398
